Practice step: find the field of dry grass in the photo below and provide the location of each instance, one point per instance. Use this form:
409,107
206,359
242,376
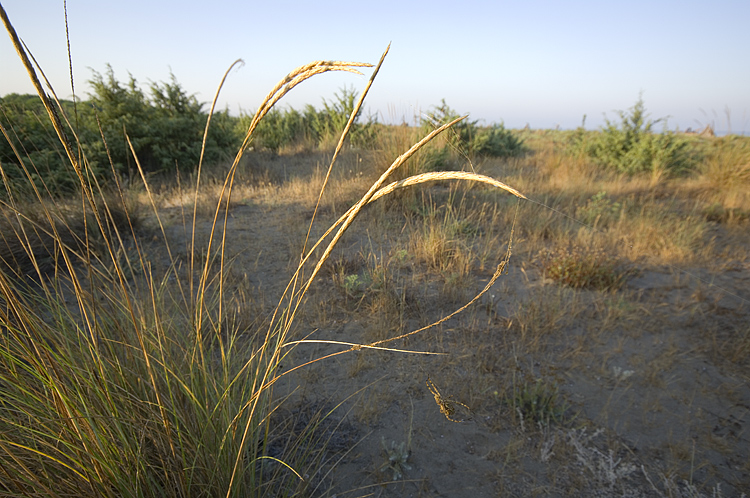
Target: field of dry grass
611,357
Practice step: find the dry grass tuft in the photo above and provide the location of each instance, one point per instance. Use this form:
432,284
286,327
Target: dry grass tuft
581,268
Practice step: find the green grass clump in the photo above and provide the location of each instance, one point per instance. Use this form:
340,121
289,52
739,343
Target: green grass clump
600,211
127,401
538,402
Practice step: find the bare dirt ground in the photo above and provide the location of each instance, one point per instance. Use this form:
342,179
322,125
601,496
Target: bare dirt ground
550,391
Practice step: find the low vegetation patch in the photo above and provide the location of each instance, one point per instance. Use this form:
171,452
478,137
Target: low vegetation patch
582,268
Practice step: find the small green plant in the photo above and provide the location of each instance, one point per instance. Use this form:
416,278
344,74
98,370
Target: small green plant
354,285
538,402
398,456
599,211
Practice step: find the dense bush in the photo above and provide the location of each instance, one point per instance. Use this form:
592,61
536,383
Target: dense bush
633,147
28,126
165,128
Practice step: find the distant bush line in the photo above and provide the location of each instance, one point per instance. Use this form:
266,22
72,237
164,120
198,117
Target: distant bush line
166,125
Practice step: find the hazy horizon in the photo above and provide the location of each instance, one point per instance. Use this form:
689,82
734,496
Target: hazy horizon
544,64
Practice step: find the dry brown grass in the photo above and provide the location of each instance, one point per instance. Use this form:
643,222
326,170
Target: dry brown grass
628,217
727,170
403,265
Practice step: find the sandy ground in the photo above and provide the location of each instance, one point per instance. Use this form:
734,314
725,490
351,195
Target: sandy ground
649,384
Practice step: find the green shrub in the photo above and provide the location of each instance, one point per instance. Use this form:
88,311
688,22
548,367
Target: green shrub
496,141
632,146
30,132
334,116
277,129
166,129
493,141
320,128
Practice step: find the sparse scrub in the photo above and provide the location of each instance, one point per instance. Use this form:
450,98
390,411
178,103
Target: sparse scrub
445,241
149,385
727,163
661,235
441,245
534,320
138,388
142,363
726,173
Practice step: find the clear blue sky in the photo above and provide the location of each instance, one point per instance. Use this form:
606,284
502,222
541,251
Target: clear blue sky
544,63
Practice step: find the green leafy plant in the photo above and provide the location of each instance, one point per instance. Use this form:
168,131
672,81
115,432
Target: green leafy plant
632,146
538,402
397,458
